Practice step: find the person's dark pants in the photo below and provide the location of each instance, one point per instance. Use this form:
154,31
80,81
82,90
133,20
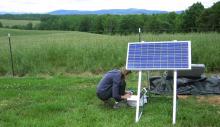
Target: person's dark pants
108,94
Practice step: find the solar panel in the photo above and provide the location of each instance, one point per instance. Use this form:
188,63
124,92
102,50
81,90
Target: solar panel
173,55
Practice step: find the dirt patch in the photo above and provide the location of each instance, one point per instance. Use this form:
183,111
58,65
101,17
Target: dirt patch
214,100
184,97
209,99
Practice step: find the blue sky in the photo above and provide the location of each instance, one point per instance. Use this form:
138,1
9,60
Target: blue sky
43,6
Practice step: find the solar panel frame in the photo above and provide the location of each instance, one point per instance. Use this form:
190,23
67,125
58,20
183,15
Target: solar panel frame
173,42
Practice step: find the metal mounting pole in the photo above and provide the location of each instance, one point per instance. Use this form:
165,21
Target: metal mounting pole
12,64
174,95
148,78
138,98
139,33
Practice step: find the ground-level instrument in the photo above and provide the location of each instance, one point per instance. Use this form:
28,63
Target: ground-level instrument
164,55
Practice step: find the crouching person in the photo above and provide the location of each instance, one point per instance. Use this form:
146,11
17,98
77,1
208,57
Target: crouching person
112,85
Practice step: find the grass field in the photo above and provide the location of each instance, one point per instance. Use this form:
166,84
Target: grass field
55,52
71,102
53,93
10,23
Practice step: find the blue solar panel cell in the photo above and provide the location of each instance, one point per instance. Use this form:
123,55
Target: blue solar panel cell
159,55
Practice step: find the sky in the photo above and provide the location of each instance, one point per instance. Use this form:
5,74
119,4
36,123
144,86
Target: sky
44,6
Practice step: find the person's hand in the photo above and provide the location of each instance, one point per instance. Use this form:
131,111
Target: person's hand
126,96
129,92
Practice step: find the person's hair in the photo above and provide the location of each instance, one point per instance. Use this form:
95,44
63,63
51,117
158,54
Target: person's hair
124,72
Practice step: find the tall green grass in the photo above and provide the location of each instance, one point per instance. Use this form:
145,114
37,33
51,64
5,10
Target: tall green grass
76,52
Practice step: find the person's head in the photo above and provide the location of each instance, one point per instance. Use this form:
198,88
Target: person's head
124,72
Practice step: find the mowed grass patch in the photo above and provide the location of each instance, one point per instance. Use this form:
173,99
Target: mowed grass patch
71,101
52,52
16,32
10,22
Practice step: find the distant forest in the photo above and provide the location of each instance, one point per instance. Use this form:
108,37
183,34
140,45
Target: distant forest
195,19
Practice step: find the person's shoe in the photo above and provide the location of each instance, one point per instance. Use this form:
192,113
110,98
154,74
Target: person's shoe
120,104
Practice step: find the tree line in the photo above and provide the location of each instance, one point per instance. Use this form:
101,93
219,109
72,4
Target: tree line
195,19
23,16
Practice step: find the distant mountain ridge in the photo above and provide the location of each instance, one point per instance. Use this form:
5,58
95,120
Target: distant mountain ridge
98,12
109,11
13,13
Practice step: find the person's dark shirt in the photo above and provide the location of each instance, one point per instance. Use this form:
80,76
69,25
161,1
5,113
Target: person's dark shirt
112,79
